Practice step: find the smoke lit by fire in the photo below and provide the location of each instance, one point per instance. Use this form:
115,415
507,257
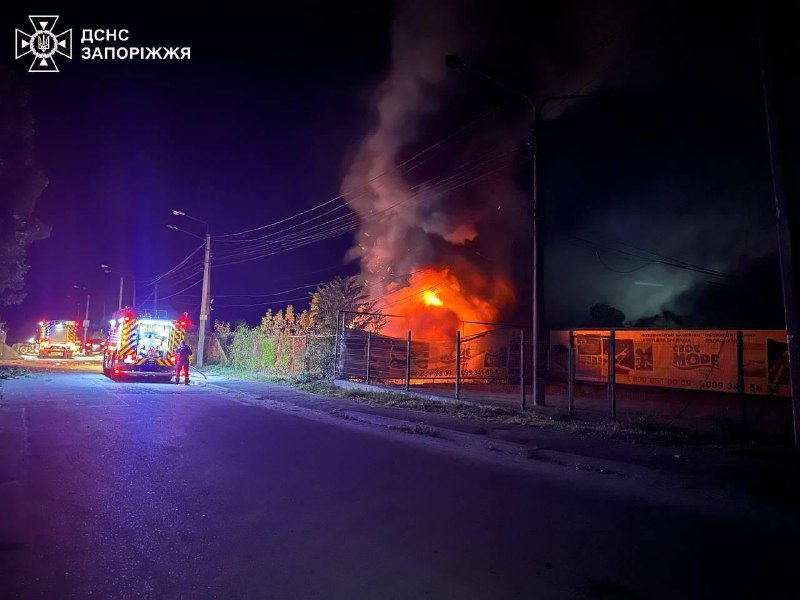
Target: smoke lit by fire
435,254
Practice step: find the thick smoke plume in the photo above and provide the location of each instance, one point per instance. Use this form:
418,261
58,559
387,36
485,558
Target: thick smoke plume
453,219
425,223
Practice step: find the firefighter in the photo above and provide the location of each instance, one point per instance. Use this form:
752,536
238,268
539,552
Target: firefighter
182,362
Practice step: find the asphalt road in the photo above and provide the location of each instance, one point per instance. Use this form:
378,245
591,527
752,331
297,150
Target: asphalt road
156,490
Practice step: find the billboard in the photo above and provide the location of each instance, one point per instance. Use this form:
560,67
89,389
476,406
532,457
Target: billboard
688,359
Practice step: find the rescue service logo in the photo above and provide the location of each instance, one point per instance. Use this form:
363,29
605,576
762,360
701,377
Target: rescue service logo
43,44
99,44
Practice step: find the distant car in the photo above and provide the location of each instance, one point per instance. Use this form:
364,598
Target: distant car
94,346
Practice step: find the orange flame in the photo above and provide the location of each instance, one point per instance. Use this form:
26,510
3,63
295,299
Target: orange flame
435,303
432,299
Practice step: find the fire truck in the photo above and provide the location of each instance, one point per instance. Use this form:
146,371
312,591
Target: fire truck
142,344
60,338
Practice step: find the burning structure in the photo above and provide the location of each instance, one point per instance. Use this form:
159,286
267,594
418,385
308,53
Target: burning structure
437,224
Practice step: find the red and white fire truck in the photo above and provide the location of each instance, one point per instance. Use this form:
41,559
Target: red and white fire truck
142,343
58,337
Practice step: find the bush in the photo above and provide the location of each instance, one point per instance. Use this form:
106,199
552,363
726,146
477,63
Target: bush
266,350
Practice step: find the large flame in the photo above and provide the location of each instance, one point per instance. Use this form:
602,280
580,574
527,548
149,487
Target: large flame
431,298
435,303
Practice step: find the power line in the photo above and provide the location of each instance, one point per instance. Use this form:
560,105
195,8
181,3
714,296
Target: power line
343,225
343,195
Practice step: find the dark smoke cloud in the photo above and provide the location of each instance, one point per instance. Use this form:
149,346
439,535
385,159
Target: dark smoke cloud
472,230
653,163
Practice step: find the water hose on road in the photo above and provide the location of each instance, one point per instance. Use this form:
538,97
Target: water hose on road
196,370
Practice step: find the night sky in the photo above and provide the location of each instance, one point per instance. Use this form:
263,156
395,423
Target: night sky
667,164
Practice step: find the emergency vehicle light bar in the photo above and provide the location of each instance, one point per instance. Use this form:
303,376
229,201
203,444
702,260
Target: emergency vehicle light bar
155,322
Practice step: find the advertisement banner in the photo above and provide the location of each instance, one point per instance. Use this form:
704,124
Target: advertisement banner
485,355
687,359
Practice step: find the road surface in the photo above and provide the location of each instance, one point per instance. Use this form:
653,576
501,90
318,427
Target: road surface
142,490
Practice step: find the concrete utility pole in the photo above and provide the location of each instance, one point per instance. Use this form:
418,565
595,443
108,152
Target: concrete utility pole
204,307
121,281
781,89
539,341
155,297
86,321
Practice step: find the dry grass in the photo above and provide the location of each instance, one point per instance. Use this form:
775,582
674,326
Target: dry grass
644,430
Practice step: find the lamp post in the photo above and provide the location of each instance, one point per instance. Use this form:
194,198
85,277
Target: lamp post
204,301
108,271
86,315
539,343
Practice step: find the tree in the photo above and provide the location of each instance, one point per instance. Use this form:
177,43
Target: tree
603,315
666,319
346,295
21,184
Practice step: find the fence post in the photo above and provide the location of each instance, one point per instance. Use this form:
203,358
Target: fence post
612,375
571,375
458,364
336,344
522,369
369,339
408,361
740,374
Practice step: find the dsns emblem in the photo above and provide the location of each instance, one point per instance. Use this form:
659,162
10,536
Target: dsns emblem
43,44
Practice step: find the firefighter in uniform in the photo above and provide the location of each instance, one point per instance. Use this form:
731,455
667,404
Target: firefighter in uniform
182,362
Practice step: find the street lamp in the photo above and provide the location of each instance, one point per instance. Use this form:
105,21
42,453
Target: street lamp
180,213
86,316
539,344
109,271
205,306
194,235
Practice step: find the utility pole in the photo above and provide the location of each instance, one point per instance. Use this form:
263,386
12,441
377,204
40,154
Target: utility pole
781,94
121,281
539,343
204,308
155,297
86,321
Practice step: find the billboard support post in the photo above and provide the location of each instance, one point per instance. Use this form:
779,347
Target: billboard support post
612,375
458,364
369,340
408,361
571,374
740,375
522,369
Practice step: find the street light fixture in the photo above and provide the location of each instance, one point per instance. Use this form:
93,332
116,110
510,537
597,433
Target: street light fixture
180,213
109,271
539,344
194,235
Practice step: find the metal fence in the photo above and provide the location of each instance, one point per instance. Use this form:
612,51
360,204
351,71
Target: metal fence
490,356
702,379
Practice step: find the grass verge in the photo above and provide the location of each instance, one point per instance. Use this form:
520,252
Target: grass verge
644,430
